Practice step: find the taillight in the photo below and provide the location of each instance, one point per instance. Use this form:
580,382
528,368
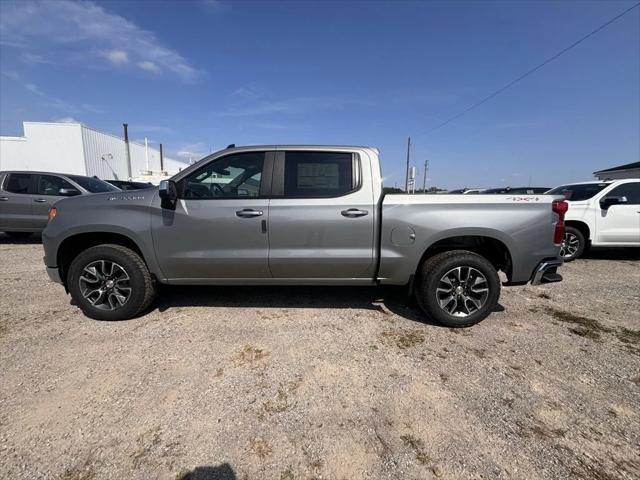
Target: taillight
52,213
559,207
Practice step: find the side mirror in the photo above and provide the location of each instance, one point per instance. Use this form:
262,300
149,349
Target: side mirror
168,193
69,192
606,202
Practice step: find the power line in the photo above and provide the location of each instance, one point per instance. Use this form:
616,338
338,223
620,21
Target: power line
526,74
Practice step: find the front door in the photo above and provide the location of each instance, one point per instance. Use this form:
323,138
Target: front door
321,216
49,189
218,229
16,202
620,223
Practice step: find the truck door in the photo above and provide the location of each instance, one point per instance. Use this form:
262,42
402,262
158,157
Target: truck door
620,223
321,216
16,202
218,228
49,189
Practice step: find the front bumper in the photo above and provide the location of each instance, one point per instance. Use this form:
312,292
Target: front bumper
53,272
546,272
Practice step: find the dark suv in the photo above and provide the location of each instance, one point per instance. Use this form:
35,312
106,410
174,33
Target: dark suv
26,197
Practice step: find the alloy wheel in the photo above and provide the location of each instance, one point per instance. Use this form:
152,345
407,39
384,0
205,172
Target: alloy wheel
105,285
462,291
570,245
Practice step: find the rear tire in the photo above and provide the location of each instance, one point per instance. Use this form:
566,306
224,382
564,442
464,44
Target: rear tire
110,282
573,244
18,235
458,288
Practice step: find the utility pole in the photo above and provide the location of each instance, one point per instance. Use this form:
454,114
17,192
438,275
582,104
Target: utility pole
126,149
424,180
406,183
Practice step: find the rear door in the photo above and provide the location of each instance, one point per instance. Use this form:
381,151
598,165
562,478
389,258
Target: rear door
16,202
620,224
47,192
321,216
218,229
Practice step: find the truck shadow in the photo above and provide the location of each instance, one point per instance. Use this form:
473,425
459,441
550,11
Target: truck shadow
628,253
32,239
223,471
386,300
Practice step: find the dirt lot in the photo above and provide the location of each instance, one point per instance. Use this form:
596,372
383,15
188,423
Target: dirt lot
301,383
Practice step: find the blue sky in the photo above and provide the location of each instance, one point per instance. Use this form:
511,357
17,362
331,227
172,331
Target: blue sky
198,75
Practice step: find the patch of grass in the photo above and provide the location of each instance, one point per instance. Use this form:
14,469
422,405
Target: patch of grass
250,355
146,443
80,471
417,446
260,447
627,335
402,340
585,332
287,474
281,401
586,327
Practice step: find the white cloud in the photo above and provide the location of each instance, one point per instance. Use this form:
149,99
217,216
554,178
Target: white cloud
149,67
65,31
32,87
117,57
66,120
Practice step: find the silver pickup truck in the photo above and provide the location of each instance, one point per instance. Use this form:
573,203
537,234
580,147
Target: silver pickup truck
300,215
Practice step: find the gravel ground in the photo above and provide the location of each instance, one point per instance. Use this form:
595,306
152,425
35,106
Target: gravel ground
332,383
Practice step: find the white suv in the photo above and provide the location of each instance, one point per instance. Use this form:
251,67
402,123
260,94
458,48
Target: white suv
601,214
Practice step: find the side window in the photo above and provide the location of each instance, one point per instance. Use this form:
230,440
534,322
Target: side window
234,176
18,182
51,185
629,190
320,174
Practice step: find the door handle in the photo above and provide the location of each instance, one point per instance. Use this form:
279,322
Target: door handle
40,200
354,212
4,199
248,213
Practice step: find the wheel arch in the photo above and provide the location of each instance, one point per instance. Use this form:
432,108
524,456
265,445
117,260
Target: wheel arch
582,226
490,247
75,244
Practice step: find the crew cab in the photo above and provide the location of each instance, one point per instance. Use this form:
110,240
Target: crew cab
601,214
300,215
26,197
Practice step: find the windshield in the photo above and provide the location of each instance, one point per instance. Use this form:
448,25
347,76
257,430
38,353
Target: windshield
93,185
583,191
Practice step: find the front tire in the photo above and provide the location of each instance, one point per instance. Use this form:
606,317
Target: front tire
110,282
573,244
458,288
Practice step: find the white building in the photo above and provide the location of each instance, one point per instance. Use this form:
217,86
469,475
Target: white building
630,170
77,149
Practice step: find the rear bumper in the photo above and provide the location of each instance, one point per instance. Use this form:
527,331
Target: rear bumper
546,272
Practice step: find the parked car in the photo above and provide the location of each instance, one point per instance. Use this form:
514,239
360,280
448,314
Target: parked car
466,191
299,215
516,190
26,197
601,214
128,185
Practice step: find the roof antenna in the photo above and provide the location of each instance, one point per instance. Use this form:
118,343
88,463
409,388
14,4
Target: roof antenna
231,145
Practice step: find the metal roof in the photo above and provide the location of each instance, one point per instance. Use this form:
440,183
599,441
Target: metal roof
628,166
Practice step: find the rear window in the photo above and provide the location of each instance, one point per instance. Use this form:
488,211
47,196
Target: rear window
93,185
18,182
578,192
319,174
